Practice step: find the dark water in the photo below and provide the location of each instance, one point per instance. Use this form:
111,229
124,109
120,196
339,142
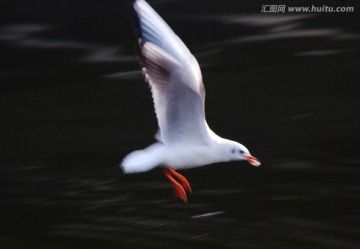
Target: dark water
73,103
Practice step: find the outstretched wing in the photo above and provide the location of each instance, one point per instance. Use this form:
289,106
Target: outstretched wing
174,76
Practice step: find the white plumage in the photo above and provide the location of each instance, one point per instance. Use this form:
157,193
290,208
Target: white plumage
184,139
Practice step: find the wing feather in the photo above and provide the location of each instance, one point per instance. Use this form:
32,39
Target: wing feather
174,76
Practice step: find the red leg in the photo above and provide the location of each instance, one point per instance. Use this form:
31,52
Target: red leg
182,180
179,191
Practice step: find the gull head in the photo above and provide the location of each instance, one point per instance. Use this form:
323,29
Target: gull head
237,152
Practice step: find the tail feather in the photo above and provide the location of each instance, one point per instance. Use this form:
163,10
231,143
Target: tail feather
143,160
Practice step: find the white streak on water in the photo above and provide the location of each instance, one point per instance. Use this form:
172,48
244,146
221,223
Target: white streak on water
205,215
134,74
323,52
33,36
199,236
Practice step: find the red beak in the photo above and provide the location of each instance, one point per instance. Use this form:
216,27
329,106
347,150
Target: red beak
253,161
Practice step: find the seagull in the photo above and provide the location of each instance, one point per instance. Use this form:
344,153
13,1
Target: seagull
184,139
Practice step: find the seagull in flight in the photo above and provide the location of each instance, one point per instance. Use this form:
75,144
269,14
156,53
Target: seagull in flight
184,139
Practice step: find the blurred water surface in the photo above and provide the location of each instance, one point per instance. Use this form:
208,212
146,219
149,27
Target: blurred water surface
74,103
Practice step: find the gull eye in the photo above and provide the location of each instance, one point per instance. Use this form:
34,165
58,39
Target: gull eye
242,152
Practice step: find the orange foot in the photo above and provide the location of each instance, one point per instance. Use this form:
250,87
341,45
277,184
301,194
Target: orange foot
180,186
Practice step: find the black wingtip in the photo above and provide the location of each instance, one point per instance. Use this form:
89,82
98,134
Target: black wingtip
135,20
138,34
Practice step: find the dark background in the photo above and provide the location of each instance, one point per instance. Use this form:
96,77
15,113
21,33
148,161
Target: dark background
74,103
